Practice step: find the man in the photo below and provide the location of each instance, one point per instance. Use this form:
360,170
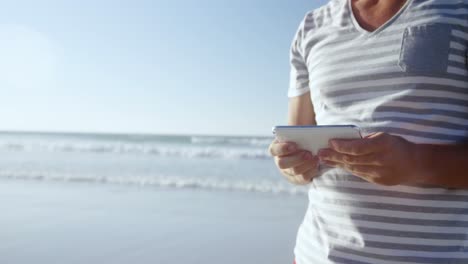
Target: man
398,70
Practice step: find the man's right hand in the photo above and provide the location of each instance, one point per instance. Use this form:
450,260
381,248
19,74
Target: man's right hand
298,166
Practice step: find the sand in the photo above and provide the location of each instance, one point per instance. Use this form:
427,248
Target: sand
60,222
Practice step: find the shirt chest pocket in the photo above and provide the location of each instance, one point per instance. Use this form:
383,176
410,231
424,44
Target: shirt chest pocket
425,49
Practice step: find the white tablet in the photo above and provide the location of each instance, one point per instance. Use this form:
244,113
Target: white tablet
314,138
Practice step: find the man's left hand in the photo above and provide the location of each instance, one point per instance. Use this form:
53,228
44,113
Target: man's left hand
379,158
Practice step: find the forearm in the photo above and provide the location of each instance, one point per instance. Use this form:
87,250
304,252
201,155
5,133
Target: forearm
301,111
442,165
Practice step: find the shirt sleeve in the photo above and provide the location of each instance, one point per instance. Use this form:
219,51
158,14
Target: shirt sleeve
299,75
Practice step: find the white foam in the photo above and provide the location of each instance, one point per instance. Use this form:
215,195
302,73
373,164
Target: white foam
274,187
247,141
183,151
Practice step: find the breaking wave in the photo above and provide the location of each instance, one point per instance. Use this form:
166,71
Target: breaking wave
182,151
162,181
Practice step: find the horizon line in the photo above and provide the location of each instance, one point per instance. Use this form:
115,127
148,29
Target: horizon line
19,131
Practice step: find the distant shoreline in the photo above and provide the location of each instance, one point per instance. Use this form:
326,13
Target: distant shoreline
142,134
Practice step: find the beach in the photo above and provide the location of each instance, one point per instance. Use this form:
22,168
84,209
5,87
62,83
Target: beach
65,207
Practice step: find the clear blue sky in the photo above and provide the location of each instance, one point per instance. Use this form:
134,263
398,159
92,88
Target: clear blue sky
173,66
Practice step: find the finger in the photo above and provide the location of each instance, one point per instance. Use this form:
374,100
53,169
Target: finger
363,171
306,166
309,175
375,143
332,163
304,178
369,159
282,148
293,160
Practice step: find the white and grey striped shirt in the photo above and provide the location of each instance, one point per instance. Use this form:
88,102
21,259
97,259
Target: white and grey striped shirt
407,78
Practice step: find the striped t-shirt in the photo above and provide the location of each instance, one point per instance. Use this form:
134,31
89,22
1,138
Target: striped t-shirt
407,78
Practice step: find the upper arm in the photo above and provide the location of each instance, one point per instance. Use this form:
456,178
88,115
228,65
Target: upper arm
299,73
300,110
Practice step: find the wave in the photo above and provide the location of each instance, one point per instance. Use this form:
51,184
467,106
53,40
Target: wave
239,141
247,141
162,181
181,151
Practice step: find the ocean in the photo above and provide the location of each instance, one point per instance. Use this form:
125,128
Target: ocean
223,163
115,198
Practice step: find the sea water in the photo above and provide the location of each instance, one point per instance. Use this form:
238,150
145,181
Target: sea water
106,198
220,163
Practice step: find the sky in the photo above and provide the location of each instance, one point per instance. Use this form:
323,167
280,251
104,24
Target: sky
209,67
